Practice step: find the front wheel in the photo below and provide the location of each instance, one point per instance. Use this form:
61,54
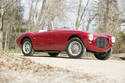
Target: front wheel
103,56
75,48
27,47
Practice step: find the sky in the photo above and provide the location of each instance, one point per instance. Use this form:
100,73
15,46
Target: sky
70,14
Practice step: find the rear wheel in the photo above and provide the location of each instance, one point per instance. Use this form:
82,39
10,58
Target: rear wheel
53,54
27,47
103,56
75,48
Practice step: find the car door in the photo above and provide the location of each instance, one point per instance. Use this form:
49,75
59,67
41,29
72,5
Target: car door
58,40
43,40
51,40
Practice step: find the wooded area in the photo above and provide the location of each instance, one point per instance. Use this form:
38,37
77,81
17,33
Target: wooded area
99,16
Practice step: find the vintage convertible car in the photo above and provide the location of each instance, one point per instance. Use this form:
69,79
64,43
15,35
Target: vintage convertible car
75,43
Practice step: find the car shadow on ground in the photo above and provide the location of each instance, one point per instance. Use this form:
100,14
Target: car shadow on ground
64,57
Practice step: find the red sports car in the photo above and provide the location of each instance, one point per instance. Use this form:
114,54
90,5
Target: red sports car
75,43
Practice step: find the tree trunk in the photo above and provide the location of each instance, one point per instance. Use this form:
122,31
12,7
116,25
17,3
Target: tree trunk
1,32
29,18
88,25
49,25
106,16
41,16
78,15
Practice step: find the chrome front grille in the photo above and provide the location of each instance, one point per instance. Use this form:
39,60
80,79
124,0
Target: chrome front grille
101,42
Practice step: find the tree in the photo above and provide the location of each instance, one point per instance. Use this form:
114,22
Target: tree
108,18
33,14
4,6
41,16
49,11
81,13
12,13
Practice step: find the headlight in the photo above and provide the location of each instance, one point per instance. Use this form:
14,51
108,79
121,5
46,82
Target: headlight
90,37
113,39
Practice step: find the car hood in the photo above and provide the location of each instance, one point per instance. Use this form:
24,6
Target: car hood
101,35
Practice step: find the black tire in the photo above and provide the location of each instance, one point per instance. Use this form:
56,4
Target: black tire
103,56
31,51
81,47
53,54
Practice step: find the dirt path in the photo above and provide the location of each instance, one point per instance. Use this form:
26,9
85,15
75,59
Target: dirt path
111,69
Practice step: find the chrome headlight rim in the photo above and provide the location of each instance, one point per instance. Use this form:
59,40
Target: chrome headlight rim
90,37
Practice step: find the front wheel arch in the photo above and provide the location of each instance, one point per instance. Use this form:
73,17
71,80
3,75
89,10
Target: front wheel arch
74,36
26,37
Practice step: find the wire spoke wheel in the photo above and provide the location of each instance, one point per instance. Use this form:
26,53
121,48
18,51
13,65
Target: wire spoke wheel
75,48
27,48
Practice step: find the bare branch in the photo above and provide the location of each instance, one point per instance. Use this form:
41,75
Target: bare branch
84,10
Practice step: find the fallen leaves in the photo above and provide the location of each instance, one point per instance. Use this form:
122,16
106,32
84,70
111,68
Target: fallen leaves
21,64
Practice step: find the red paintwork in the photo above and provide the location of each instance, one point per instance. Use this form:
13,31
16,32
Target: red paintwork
57,40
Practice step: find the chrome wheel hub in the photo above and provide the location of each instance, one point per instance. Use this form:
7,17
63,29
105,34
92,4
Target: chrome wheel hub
75,48
26,47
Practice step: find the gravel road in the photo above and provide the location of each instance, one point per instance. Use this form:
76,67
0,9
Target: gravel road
111,69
